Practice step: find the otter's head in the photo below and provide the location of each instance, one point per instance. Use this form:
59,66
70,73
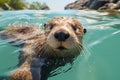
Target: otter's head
64,34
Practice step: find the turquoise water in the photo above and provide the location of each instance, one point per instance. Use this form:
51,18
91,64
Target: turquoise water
101,55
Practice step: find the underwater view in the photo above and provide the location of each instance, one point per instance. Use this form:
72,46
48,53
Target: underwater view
99,59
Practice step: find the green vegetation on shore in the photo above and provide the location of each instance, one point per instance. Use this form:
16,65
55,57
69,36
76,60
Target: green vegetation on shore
38,6
20,5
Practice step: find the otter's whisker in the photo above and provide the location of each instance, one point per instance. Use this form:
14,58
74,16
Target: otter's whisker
76,47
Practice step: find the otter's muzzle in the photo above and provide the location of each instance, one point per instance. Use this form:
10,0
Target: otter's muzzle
61,35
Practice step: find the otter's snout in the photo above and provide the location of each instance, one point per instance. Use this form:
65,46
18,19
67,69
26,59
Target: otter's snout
61,35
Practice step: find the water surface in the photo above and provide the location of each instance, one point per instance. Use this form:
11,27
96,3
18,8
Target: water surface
101,55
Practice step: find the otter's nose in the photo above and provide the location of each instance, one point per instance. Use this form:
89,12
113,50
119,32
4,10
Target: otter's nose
61,35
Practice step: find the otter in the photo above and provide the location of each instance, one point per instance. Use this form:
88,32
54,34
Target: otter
44,50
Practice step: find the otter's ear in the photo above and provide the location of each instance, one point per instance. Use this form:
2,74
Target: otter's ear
85,30
45,26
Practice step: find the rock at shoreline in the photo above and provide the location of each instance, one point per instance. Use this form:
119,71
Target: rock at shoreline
94,4
45,8
79,4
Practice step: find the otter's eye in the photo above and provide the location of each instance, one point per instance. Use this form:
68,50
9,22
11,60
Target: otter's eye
51,26
74,27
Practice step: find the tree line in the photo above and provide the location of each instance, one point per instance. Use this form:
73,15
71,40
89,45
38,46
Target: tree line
21,4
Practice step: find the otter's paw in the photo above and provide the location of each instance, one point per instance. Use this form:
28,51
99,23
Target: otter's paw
21,74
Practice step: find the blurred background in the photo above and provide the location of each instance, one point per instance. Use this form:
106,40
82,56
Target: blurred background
33,4
59,5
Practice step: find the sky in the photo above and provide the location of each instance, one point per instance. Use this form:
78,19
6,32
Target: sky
54,4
